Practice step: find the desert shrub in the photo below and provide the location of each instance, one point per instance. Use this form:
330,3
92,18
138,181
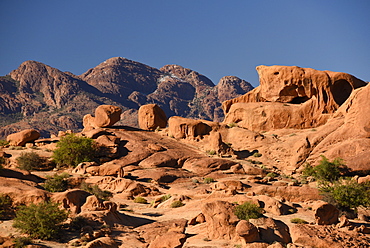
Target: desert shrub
326,171
95,190
211,152
165,197
2,162
347,194
30,161
232,124
257,155
78,222
20,242
40,220
208,180
4,143
177,204
271,174
5,205
72,150
141,200
248,210
298,221
56,183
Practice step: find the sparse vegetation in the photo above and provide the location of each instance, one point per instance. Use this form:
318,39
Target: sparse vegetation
141,200
298,221
347,194
5,206
40,220
20,242
248,210
232,124
72,150
326,171
56,183
95,190
165,197
177,204
257,155
208,180
211,152
4,143
271,174
30,161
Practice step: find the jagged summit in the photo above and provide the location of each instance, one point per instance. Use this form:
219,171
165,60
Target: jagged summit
48,99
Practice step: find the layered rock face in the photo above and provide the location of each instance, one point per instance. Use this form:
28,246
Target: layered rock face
291,97
38,96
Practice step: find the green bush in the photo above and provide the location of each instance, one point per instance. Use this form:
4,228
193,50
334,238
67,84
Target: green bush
271,174
165,197
56,183
30,161
5,206
177,204
40,220
21,242
248,210
298,221
326,171
257,155
208,180
347,194
4,143
141,200
95,190
72,150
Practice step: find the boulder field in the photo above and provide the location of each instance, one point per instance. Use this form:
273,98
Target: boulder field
177,182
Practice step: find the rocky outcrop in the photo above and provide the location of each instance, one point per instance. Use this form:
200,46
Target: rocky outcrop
292,97
182,128
151,116
105,116
21,138
325,213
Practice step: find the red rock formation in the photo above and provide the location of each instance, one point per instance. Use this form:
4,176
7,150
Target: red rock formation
151,116
310,97
21,138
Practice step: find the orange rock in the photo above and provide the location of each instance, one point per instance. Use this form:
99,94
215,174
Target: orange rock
182,128
151,116
325,213
22,137
247,231
107,115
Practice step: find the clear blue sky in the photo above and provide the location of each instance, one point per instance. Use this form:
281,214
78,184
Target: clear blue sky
214,37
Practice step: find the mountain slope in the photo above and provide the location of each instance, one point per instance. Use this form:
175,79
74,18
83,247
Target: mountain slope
38,96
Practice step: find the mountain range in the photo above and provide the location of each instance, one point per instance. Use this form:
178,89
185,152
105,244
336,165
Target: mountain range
38,96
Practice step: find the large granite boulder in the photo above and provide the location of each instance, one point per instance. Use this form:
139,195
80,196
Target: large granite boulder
22,137
151,116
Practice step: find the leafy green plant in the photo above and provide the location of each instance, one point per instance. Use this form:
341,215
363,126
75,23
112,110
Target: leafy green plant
72,150
326,171
271,174
40,220
21,242
208,180
5,206
177,204
95,190
248,210
56,183
141,200
347,194
298,221
30,161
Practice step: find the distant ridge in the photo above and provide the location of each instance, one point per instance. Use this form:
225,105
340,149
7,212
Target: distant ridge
39,96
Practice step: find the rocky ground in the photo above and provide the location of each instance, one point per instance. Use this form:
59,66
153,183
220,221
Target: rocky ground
154,164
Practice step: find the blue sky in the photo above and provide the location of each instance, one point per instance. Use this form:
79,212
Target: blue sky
214,37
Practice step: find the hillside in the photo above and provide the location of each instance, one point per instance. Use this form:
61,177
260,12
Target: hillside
39,96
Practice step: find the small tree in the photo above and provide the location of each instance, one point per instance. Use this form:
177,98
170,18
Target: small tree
248,210
29,161
72,150
347,194
40,220
5,206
